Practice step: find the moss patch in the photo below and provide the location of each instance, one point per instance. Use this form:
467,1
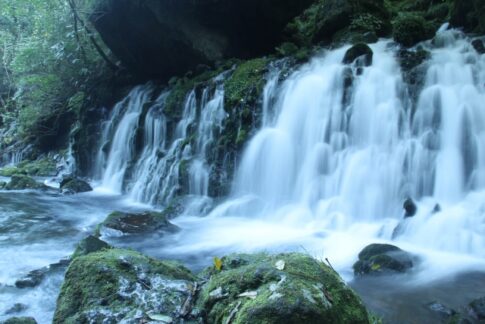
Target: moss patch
285,288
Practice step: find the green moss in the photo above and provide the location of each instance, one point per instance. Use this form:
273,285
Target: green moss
22,182
246,83
409,29
10,171
304,291
20,320
93,283
42,168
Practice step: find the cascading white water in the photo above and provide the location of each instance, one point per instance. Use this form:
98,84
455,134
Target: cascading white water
333,169
123,141
156,173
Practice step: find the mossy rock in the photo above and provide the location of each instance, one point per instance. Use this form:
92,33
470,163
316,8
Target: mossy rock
284,288
45,167
9,171
410,29
22,182
116,285
479,46
89,245
20,320
135,223
246,83
383,259
73,186
477,308
358,51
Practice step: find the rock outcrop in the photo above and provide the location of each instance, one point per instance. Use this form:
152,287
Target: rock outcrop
160,39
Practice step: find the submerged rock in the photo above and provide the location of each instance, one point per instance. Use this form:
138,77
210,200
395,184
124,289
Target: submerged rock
73,186
284,288
479,46
360,50
132,223
382,259
410,208
20,320
22,182
16,308
441,309
89,245
35,277
115,285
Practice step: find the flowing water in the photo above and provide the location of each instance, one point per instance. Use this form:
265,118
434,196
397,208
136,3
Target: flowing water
339,149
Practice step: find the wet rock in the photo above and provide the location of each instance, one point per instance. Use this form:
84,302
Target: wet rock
410,208
3,184
410,29
20,320
16,308
72,186
35,277
360,50
479,46
477,308
90,244
382,259
258,289
443,310
436,209
141,223
113,286
22,182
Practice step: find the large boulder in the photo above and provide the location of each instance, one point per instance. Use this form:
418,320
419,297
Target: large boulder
113,286
378,259
135,223
162,38
286,288
70,186
22,182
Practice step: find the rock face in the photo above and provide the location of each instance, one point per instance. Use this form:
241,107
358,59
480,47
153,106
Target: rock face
142,223
162,38
122,285
285,288
89,245
382,259
70,186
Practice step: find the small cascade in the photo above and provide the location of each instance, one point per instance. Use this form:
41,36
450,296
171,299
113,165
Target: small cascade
119,135
173,159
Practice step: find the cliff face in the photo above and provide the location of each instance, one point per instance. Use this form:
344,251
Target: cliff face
162,38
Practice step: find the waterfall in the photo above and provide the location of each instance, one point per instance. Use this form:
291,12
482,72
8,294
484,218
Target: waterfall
340,148
170,155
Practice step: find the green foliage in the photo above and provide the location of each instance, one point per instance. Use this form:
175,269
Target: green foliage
410,29
47,61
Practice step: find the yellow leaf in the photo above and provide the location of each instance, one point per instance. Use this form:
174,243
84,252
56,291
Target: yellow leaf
218,263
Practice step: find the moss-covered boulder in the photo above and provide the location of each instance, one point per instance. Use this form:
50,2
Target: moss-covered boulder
89,245
340,20
135,223
360,50
20,320
70,186
410,29
45,167
115,285
22,182
383,259
284,288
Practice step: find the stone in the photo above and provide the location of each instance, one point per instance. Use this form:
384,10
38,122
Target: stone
478,46
35,277
251,289
441,309
22,182
136,223
20,320
359,51
410,208
477,308
72,186
16,308
113,285
89,245
379,259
